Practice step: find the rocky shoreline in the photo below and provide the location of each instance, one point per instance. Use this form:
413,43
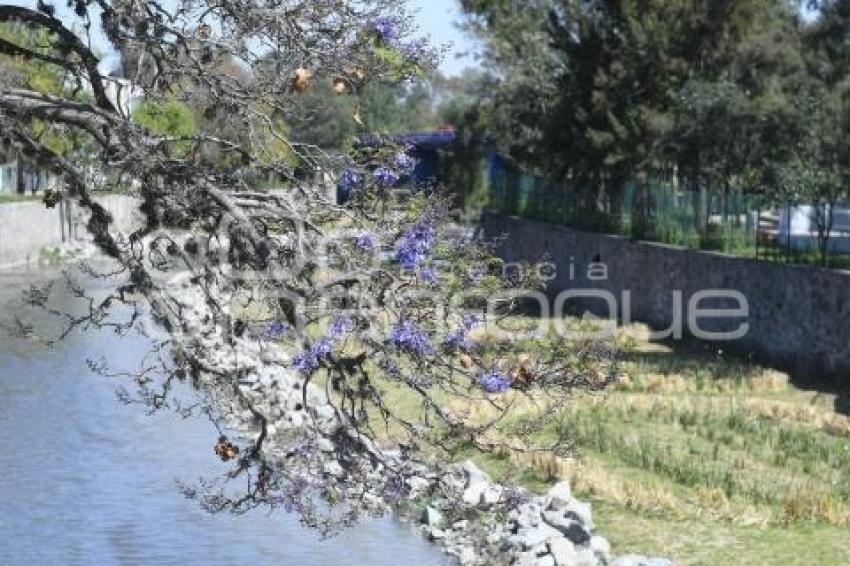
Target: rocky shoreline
514,527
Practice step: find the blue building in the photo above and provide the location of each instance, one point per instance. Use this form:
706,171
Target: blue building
425,147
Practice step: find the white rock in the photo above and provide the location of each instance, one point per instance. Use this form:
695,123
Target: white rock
334,469
467,556
601,546
432,517
525,516
562,550
560,491
460,525
526,559
473,472
530,537
586,557
472,494
570,528
580,511
491,495
417,486
476,483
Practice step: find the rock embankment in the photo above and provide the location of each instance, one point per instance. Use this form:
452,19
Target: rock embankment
480,522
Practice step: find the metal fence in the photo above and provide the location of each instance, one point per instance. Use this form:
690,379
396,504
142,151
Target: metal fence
729,221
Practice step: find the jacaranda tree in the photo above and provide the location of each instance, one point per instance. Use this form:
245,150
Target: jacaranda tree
343,350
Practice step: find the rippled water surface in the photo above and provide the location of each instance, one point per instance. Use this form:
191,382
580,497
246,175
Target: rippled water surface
85,479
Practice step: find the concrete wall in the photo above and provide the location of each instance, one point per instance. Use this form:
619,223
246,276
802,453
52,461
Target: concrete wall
26,228
799,317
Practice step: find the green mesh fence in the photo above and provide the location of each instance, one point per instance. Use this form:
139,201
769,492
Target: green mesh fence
656,211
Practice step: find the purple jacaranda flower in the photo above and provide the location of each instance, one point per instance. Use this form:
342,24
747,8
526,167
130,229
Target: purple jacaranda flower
404,162
294,494
306,362
275,330
416,244
391,367
386,29
470,321
408,336
365,241
458,339
476,273
385,176
339,326
424,232
494,382
428,274
323,347
513,497
416,49
409,255
350,180
394,490
301,449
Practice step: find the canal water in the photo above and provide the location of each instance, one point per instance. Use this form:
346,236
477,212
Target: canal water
85,479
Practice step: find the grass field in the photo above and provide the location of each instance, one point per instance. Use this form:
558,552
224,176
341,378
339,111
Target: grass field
706,460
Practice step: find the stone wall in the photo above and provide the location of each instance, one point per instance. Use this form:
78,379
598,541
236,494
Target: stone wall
799,317
27,228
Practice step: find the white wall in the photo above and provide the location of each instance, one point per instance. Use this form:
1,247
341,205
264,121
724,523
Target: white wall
26,228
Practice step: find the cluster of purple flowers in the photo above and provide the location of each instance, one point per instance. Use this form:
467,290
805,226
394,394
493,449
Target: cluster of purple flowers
386,29
365,241
385,176
494,382
339,326
460,338
416,244
275,330
416,50
476,273
404,162
513,497
394,490
308,362
408,336
428,274
350,180
293,495
302,449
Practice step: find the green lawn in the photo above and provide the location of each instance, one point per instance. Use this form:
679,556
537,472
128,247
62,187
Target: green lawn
707,460
692,455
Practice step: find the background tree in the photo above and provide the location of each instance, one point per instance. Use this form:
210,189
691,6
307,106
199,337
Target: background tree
706,93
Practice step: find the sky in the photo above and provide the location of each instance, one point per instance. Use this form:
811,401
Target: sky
438,19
